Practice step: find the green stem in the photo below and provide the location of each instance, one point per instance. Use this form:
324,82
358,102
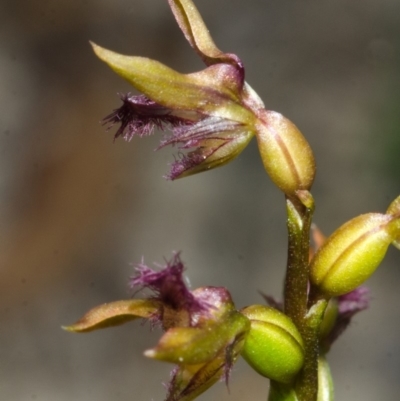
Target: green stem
307,382
296,282
296,292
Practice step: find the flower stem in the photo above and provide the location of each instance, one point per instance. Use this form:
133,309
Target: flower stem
307,383
296,282
296,292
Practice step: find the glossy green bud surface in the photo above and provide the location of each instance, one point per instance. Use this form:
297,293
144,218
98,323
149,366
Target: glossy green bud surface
353,252
286,155
273,346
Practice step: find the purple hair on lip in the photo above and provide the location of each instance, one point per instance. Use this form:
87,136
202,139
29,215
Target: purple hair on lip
168,285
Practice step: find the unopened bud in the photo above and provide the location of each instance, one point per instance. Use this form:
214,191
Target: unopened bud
273,346
353,252
286,154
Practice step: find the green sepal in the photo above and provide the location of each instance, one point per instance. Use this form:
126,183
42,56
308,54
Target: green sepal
224,154
194,345
215,90
189,381
115,314
193,27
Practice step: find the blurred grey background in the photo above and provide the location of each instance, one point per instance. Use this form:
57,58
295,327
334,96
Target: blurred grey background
77,209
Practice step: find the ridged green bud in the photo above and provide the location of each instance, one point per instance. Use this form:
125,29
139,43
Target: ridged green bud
273,346
353,252
287,156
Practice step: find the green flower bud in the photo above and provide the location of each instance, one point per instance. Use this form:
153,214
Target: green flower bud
273,346
286,154
353,252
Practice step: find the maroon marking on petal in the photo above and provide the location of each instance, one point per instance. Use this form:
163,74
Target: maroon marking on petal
140,115
193,159
207,135
184,163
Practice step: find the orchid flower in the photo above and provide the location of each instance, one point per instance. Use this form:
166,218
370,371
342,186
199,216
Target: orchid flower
213,114
204,333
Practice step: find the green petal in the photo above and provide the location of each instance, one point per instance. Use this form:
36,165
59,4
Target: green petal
191,345
190,381
224,153
114,314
